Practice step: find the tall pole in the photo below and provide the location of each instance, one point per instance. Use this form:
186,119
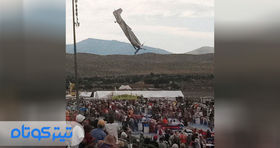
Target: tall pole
75,58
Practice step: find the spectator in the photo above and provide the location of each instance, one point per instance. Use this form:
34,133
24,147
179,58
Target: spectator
162,143
112,128
109,142
183,138
78,131
175,145
197,143
88,138
183,145
123,140
98,133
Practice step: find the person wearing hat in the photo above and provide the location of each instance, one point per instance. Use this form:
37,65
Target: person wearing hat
98,133
175,145
80,118
78,131
123,143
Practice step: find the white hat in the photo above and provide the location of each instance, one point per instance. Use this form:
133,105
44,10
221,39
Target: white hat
175,145
80,118
123,135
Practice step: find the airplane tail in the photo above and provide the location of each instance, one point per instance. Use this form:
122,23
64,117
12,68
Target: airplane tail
136,51
143,46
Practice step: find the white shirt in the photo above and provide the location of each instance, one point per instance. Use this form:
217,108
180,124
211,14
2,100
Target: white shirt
78,136
112,129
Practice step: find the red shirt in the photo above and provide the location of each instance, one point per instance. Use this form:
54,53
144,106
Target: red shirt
183,138
164,121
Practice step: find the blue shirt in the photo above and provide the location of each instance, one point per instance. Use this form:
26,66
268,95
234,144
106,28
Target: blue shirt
98,134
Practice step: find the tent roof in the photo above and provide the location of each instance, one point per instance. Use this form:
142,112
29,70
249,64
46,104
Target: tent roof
145,94
85,94
125,87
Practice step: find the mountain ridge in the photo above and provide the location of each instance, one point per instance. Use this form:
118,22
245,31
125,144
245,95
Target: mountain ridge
201,50
110,47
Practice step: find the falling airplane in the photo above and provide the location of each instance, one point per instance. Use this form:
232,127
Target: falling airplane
127,31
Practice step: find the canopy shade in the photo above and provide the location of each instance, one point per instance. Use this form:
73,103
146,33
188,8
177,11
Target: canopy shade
170,95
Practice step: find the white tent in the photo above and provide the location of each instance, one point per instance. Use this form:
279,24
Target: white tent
125,87
170,95
85,94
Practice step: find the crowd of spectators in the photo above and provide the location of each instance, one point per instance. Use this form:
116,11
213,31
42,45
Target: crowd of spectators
144,123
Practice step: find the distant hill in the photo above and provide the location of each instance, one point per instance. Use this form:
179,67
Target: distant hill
110,47
202,50
90,65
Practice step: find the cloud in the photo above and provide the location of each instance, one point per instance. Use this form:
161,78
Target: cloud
178,31
147,17
149,7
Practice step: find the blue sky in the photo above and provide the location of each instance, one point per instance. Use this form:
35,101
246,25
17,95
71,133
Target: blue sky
174,25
